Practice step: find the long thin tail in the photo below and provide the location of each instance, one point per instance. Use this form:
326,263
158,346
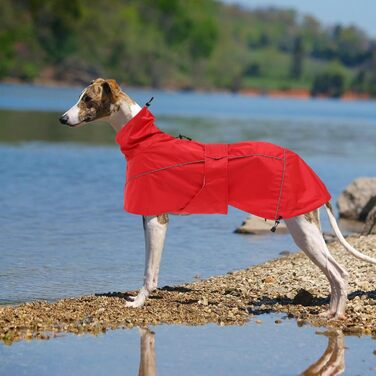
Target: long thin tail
342,240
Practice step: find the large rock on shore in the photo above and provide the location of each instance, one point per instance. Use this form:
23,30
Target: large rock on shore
354,199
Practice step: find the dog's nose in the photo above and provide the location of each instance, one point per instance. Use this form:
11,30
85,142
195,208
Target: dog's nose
63,119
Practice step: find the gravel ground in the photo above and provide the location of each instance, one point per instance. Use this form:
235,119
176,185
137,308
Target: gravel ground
290,284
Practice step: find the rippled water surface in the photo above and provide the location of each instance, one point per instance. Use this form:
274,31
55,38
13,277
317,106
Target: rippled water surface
63,231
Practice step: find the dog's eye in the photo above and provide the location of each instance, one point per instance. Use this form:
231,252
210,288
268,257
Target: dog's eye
86,98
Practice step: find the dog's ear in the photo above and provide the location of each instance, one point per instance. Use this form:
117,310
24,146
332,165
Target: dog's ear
111,87
97,80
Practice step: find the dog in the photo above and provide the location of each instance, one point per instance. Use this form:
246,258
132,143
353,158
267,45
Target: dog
104,100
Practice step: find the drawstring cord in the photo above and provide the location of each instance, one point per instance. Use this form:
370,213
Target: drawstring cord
147,104
277,222
181,136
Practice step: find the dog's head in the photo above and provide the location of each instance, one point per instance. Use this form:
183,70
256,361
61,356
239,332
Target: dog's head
98,101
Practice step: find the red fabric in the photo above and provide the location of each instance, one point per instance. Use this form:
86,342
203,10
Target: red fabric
170,175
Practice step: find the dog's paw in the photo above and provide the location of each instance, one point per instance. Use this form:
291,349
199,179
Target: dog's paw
137,301
339,316
134,304
327,315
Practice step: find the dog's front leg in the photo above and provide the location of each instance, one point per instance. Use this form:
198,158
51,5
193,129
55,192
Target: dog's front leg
155,228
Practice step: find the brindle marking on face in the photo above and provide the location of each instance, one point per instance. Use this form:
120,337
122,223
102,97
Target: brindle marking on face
313,217
100,99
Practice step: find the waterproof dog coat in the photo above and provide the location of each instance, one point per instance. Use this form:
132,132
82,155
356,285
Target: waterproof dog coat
165,174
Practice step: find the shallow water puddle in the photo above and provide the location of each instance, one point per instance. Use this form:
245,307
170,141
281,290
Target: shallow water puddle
258,348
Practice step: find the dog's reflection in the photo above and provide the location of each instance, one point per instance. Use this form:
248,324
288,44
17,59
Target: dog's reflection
331,363
148,364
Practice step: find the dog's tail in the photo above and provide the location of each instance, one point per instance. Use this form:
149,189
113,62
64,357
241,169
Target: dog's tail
342,240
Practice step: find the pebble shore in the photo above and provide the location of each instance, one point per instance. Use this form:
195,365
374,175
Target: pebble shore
291,284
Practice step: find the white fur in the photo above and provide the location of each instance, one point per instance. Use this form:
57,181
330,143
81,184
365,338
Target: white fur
120,118
73,112
155,235
309,239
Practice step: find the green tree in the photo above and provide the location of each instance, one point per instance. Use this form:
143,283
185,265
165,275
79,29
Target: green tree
55,26
328,84
365,80
297,58
177,43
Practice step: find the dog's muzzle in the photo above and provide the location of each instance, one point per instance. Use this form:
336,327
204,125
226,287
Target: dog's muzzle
64,119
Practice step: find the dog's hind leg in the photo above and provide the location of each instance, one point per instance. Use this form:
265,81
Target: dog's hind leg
309,239
155,228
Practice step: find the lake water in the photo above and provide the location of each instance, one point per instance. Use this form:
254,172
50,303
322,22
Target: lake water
63,231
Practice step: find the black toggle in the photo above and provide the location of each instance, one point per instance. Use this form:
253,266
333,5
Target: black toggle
277,222
147,104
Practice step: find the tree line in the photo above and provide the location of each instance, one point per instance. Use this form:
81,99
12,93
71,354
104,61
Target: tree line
183,44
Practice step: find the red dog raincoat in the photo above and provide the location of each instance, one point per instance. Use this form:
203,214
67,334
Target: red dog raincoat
171,175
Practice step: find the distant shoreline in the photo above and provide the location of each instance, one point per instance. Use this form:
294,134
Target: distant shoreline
297,93
301,94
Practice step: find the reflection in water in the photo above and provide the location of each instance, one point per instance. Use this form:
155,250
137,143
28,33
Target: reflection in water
27,126
331,362
148,364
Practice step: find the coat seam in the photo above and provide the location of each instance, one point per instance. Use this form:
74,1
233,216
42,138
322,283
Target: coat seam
276,217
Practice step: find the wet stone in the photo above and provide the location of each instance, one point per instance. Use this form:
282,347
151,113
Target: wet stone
303,297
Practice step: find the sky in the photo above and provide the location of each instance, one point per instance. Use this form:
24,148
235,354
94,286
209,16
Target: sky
361,13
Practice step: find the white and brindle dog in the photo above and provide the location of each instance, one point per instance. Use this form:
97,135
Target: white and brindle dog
104,100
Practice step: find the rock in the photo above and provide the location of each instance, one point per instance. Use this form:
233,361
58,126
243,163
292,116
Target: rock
369,206
364,286
256,225
370,225
303,297
329,237
203,301
269,279
355,197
